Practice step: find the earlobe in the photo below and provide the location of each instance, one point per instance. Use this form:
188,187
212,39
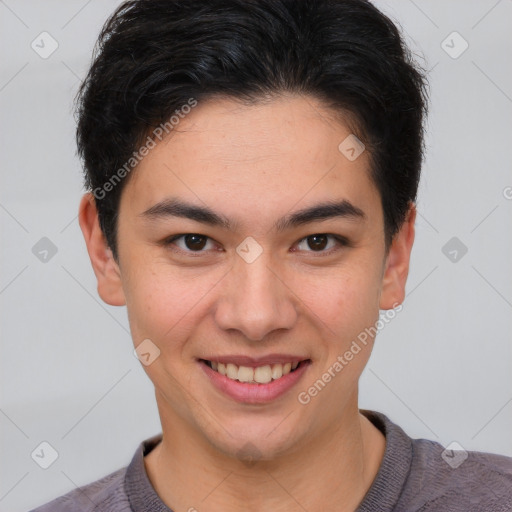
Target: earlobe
105,267
397,263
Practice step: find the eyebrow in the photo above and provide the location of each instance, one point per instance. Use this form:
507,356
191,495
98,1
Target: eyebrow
173,207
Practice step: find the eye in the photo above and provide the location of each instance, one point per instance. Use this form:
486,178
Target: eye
191,242
319,241
197,243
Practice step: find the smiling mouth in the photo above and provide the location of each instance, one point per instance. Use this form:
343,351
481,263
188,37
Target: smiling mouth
255,375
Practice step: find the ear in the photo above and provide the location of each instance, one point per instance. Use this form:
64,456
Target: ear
105,267
396,267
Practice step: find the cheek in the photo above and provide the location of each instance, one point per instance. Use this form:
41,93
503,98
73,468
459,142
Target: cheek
163,305
152,302
347,303
348,310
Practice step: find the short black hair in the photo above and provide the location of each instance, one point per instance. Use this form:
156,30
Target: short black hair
153,57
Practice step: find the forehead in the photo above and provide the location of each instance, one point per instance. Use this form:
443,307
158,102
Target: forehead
253,159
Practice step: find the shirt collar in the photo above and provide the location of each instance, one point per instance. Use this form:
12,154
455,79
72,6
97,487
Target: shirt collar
383,494
389,482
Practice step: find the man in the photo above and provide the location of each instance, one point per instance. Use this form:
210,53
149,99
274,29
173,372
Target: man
253,169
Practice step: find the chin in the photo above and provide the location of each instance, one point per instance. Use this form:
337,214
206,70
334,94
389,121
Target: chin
250,441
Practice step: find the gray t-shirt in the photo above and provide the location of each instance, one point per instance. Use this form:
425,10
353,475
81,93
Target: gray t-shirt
414,476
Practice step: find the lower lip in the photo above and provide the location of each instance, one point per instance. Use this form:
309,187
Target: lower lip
254,393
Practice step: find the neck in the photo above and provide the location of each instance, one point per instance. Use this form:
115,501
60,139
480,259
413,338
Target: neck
334,471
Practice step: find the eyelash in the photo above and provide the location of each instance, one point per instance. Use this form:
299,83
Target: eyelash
342,242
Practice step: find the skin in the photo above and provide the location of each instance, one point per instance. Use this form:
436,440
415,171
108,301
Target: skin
254,164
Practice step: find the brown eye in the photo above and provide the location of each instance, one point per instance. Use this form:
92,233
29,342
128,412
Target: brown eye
190,242
319,241
195,242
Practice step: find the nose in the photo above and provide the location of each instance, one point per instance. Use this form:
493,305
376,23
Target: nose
256,300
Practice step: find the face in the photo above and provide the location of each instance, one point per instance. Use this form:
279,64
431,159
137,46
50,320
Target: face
271,281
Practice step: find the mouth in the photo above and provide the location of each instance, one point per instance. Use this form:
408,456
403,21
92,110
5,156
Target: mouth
263,374
251,381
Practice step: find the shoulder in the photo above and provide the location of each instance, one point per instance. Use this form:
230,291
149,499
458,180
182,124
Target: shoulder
422,475
458,479
106,495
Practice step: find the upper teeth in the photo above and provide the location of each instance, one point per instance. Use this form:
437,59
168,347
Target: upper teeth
260,374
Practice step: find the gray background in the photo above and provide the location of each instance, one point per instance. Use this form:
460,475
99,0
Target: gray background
441,369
